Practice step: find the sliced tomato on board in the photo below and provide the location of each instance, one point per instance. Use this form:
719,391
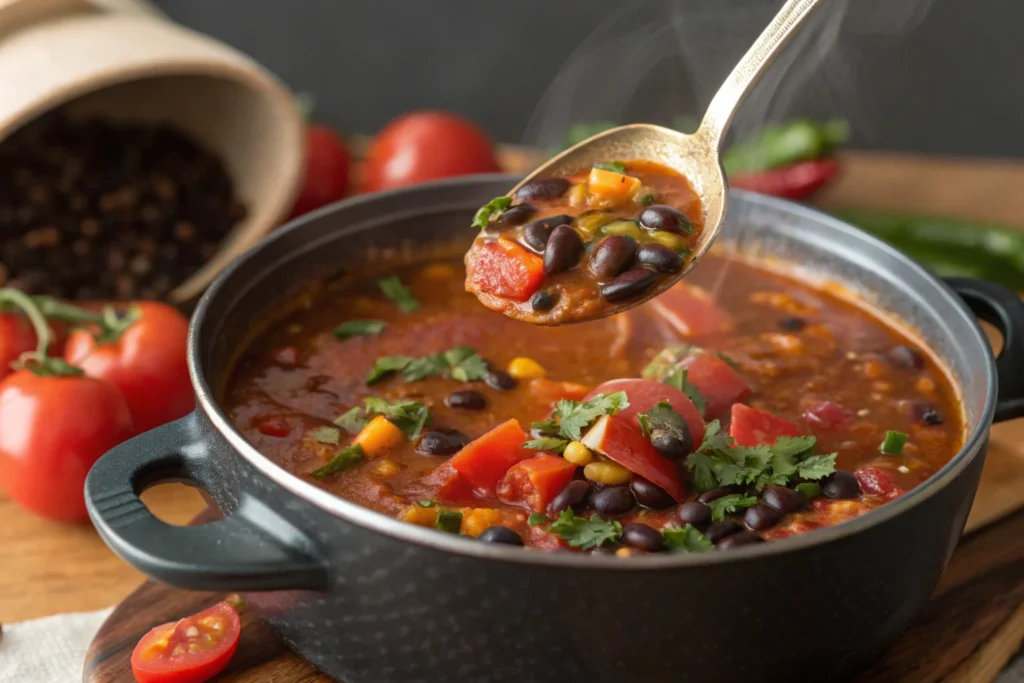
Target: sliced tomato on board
753,427
485,460
644,394
503,268
534,483
691,311
191,650
717,382
617,438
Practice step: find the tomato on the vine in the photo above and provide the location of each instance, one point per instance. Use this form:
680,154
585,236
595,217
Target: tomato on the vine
147,363
326,173
16,338
191,650
424,146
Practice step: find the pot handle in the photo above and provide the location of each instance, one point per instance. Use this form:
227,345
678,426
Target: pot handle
251,549
1004,309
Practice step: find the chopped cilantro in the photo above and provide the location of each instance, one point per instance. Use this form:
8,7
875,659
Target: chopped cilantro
584,533
352,421
426,503
817,466
678,378
547,443
331,435
894,442
448,520
460,363
613,166
464,365
808,489
385,365
537,518
686,540
572,417
345,458
423,367
727,505
393,289
359,328
491,209
409,416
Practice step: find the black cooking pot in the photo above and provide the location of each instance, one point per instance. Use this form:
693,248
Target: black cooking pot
365,597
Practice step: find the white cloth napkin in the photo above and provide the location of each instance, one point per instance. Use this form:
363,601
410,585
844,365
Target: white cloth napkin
48,650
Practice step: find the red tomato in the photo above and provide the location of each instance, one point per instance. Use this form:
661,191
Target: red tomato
147,364
191,650
828,415
503,268
485,460
617,438
52,430
878,481
691,311
793,181
536,481
423,146
643,394
16,337
326,173
717,382
445,484
753,427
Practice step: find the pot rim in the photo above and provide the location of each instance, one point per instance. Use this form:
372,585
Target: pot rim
358,515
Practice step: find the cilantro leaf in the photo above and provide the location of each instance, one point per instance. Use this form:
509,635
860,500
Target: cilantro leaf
357,328
703,476
664,417
686,540
727,505
345,458
613,166
584,533
385,365
537,518
460,363
573,417
424,367
491,209
678,378
817,466
409,416
352,421
464,365
330,435
547,443
547,427
393,289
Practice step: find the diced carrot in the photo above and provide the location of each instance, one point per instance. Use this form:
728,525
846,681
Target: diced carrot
550,392
379,436
611,185
753,427
535,482
503,268
484,461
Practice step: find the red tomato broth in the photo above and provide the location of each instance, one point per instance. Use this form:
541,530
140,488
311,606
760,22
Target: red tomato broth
839,354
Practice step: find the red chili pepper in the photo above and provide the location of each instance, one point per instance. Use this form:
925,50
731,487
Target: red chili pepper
793,181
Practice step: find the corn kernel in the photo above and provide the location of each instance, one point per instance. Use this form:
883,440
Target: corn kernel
671,240
415,514
578,454
926,386
623,552
387,468
478,520
526,368
606,472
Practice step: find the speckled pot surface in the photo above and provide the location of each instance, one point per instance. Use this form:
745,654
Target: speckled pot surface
369,599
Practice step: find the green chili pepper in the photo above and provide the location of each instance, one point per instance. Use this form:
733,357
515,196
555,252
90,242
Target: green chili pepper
785,143
950,247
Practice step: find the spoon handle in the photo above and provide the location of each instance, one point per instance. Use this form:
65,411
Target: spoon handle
748,71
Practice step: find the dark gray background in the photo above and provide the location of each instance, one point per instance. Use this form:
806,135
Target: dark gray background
921,75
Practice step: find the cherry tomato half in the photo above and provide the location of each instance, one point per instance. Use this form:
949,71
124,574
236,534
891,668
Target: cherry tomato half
16,337
191,650
52,430
147,364
424,146
327,168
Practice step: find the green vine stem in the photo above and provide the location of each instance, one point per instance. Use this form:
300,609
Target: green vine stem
36,361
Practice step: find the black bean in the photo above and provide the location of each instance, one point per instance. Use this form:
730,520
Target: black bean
642,537
665,218
441,442
714,494
650,495
738,539
672,446
841,485
563,250
722,528
630,284
543,188
612,256
761,517
660,258
696,513
613,500
792,323
516,215
905,358
467,399
500,380
543,300
575,495
536,233
500,534
783,499
926,413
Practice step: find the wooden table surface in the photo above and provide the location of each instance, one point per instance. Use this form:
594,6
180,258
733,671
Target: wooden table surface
46,568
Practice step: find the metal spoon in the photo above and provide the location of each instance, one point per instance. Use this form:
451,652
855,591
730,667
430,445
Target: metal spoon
696,156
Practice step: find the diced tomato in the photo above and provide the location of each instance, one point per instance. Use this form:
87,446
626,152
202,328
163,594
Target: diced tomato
542,539
691,311
753,427
445,484
878,481
717,382
484,461
505,269
273,425
621,441
535,482
828,415
191,650
550,392
644,394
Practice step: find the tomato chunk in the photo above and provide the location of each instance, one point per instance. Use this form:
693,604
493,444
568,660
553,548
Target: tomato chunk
486,460
621,441
717,382
445,484
191,650
828,415
535,482
505,269
753,427
644,394
878,481
691,311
